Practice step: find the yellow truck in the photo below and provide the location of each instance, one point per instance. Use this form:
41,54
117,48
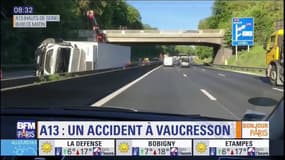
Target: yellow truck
274,47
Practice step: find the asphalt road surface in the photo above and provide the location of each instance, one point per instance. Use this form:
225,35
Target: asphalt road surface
198,90
194,90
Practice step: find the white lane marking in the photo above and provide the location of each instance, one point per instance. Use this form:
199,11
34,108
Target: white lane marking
185,75
208,95
203,69
278,89
214,99
220,74
119,91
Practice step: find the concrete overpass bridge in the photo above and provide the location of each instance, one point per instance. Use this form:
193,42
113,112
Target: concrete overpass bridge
211,38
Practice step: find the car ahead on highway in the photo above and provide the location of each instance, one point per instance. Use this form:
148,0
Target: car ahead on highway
185,62
168,61
155,59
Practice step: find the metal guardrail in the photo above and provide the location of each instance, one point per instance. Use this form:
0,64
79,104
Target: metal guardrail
221,31
6,83
80,91
16,66
259,69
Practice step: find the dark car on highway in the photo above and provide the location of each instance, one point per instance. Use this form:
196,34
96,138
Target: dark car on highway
185,62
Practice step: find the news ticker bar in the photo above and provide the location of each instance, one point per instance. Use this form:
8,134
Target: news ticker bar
135,147
143,129
33,21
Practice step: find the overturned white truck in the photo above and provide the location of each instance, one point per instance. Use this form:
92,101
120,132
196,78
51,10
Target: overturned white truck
76,56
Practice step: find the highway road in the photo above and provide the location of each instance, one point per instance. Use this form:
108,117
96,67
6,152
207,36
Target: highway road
198,90
194,90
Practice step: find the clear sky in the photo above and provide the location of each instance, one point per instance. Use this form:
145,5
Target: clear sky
173,15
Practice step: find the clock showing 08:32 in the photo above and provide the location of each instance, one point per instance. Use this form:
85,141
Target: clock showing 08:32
23,10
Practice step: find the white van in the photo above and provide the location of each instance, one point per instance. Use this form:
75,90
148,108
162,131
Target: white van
168,61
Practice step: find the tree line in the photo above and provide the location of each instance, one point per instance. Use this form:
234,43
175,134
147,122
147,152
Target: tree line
264,12
19,44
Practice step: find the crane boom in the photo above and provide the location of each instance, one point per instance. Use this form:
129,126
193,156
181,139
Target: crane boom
99,36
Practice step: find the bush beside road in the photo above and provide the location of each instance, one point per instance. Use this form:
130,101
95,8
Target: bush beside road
254,58
197,60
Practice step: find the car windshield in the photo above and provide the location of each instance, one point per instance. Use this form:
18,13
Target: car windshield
185,59
115,54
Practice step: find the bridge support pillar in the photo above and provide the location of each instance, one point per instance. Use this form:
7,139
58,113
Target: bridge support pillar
221,54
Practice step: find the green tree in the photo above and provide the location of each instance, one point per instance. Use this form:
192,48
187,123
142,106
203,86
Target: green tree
265,13
134,18
147,26
204,52
169,49
18,45
185,50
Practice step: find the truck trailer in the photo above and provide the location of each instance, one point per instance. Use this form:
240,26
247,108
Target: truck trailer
77,56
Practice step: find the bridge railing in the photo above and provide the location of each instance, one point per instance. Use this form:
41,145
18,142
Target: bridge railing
211,31
218,31
131,31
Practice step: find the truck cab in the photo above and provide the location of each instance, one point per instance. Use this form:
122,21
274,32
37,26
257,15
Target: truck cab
79,56
55,58
274,46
